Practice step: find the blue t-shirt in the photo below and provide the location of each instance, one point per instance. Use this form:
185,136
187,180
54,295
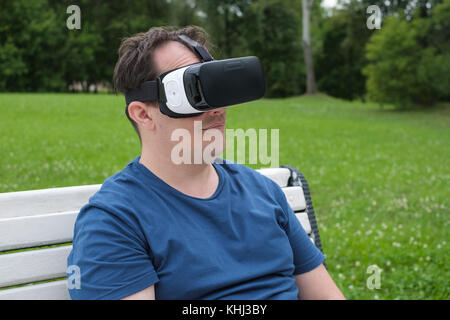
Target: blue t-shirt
243,242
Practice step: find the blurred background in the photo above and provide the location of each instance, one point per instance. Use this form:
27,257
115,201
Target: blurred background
362,103
405,62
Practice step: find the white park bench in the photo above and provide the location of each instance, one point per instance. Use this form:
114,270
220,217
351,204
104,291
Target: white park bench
36,219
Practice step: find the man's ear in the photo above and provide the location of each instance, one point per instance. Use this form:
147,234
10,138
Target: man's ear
140,113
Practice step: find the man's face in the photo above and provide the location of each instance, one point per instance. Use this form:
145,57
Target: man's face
173,55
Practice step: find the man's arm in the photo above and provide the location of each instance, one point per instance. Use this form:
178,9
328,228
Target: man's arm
146,294
317,284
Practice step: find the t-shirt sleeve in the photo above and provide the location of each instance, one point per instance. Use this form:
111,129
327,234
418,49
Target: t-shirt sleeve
112,260
306,255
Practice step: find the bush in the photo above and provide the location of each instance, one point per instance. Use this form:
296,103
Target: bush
280,51
342,56
404,69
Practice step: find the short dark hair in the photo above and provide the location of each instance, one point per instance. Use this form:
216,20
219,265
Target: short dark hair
135,63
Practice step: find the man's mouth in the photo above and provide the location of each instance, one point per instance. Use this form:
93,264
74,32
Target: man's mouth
216,125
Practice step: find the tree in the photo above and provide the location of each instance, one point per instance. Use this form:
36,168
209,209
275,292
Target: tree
311,87
404,68
341,58
228,22
30,42
276,43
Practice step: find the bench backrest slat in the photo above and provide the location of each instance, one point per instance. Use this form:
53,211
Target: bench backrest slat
39,230
279,175
37,202
55,290
304,221
295,198
32,266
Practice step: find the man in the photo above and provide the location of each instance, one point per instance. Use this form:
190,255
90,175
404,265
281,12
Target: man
188,231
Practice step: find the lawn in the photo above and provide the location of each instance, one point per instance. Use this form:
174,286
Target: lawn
379,178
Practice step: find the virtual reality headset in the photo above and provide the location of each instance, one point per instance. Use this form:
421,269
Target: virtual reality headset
210,84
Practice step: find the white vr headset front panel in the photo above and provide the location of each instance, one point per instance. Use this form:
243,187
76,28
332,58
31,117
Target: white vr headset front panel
176,96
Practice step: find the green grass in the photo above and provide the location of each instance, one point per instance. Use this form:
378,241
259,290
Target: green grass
379,179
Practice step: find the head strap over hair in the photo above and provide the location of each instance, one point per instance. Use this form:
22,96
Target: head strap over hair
201,52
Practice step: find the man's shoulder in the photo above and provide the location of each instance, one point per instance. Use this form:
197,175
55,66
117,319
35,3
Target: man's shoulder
114,203
119,187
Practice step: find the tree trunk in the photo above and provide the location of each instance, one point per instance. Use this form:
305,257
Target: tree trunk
311,87
227,32
84,86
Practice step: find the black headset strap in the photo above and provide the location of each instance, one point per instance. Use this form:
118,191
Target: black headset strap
148,90
200,50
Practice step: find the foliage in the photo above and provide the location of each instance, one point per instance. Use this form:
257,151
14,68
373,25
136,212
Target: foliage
38,53
341,58
404,68
29,47
280,51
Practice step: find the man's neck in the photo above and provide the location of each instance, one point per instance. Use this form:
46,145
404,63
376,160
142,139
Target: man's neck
195,180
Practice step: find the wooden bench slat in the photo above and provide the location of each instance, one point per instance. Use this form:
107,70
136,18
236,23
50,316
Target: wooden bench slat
303,218
55,290
31,266
279,175
33,231
295,198
36,202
